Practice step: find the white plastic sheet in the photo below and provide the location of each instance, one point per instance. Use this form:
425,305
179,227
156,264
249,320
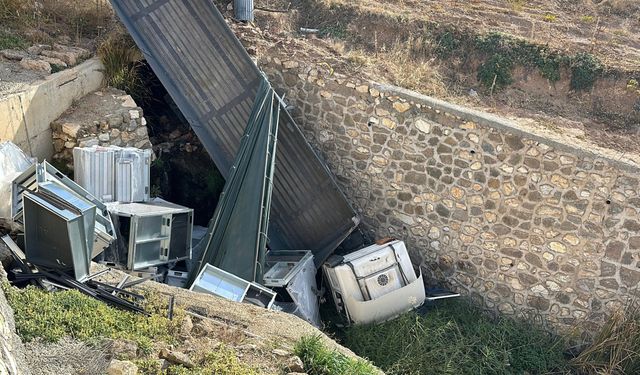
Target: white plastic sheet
12,163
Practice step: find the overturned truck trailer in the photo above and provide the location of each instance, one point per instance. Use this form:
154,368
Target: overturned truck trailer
214,82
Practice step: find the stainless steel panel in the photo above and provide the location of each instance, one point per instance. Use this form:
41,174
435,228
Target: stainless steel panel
94,169
213,280
44,172
114,173
55,236
133,175
214,83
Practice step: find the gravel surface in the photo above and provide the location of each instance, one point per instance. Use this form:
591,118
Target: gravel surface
13,78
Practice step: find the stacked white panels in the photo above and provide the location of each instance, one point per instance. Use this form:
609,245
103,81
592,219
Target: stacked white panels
114,174
133,182
94,170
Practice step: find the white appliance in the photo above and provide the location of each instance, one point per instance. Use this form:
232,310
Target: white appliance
374,284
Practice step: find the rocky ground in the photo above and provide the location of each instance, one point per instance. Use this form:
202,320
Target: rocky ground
19,67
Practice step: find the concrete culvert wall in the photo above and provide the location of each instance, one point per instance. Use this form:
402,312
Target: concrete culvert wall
522,220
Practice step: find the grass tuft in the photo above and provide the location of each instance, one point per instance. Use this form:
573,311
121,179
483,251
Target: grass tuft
457,338
320,360
122,61
11,41
616,348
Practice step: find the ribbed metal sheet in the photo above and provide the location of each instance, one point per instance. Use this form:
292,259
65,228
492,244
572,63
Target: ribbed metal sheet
214,83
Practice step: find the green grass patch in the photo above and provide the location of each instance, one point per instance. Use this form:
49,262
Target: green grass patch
456,338
52,316
318,359
11,41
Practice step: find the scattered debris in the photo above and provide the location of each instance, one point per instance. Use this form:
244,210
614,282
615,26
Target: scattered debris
221,283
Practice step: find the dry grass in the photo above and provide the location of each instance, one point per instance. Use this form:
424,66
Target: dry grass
616,348
45,20
400,64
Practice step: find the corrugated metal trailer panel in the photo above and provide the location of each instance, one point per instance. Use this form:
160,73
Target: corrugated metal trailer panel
133,180
94,170
214,83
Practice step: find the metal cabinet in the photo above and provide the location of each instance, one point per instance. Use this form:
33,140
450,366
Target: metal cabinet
58,229
155,232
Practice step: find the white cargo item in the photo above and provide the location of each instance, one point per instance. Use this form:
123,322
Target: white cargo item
213,280
114,174
374,284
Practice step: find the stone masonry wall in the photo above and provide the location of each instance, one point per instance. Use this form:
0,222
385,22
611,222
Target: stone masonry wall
104,117
520,223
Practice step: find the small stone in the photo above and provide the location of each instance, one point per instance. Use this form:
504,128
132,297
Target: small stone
457,193
68,57
55,63
176,357
124,349
114,120
280,352
557,247
375,93
36,65
128,102
186,326
133,114
290,64
11,54
401,107
629,277
69,144
362,89
141,131
104,137
294,364
71,129
423,126
388,123
35,49
571,239
88,142
117,367
506,308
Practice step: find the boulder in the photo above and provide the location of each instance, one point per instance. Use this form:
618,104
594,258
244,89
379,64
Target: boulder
36,65
117,367
177,358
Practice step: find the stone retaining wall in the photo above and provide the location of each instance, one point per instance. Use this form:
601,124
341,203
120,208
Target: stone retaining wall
104,117
521,222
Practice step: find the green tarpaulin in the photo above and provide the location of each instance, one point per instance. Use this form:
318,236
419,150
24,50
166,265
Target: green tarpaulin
237,236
